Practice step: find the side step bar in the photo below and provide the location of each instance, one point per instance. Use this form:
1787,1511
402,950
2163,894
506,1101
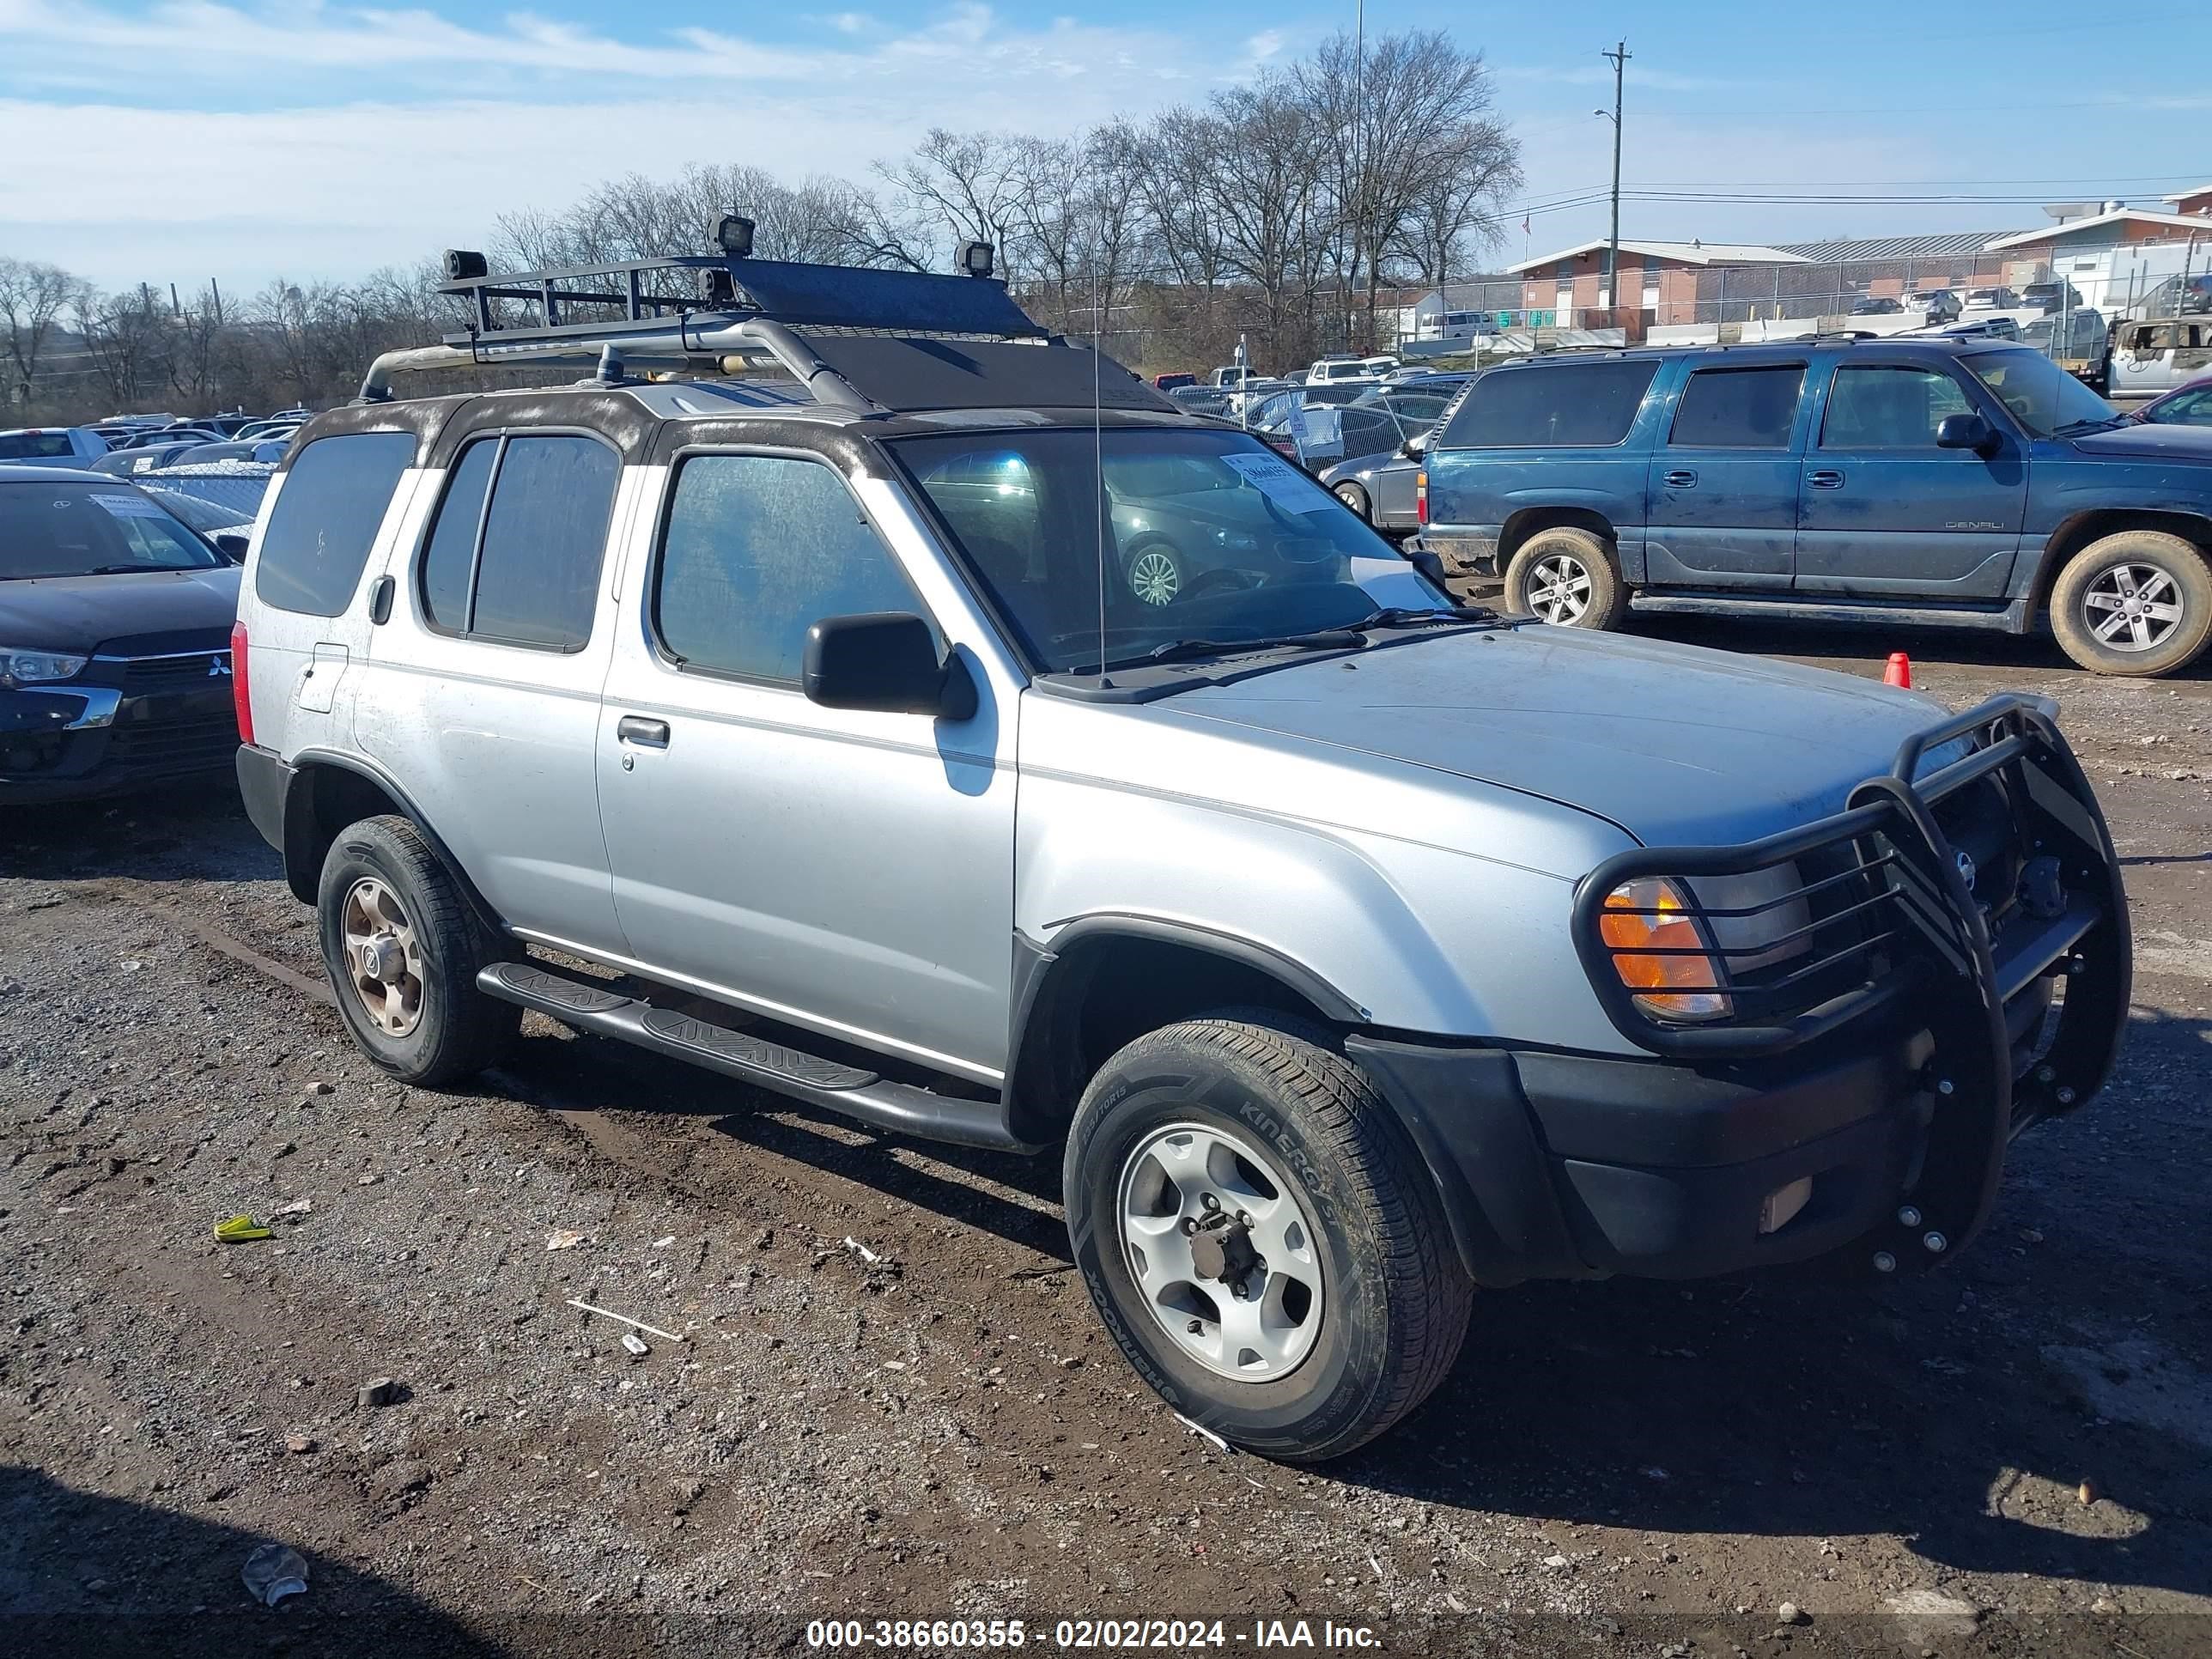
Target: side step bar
831,1084
2013,617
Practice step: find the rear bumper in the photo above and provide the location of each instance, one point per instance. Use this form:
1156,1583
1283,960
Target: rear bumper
1570,1166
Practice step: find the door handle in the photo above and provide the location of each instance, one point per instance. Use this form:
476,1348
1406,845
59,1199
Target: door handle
1683,480
1825,478
646,734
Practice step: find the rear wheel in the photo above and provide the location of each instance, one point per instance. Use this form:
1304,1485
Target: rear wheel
1567,577
2137,603
1261,1242
403,948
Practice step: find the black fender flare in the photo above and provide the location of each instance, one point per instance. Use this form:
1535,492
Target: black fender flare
303,869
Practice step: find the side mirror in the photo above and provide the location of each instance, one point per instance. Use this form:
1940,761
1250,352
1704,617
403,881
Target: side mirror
1415,446
886,661
1965,432
231,544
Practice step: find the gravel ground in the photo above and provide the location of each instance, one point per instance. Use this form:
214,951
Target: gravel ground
879,1391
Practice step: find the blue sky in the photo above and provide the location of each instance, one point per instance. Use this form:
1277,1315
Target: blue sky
241,140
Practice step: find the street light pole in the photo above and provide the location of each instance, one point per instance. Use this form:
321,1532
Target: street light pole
1619,55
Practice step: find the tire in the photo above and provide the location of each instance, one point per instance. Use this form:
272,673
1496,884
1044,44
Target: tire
382,884
1567,577
1156,574
1355,498
1385,1302
2146,565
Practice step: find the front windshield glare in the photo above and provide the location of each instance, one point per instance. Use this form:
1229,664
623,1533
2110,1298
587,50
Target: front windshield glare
1205,536
2043,397
67,529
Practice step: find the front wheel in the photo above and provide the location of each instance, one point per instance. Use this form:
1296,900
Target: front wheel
1155,574
1353,497
1261,1242
2138,602
1567,577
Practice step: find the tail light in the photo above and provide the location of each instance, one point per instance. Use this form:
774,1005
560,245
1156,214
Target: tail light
241,699
1421,497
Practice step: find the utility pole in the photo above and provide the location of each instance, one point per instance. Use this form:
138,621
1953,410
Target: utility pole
1619,55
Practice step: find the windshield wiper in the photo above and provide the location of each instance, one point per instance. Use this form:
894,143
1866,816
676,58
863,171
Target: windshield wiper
1321,639
130,569
1400,616
2072,428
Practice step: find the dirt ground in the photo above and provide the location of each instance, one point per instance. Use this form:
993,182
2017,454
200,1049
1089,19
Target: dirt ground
889,1399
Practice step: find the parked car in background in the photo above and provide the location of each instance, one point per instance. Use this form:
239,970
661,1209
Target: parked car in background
267,450
1169,382
239,485
130,463
1994,325
2078,341
2196,295
1960,482
1232,374
1384,487
1991,299
2187,405
2051,296
171,434
226,527
1200,400
52,446
1878,304
2159,354
115,624
1938,305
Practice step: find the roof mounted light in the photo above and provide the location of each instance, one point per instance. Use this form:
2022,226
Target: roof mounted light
976,259
733,235
462,263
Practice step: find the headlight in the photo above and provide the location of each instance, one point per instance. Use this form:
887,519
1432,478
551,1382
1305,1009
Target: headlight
1681,946
35,667
1660,952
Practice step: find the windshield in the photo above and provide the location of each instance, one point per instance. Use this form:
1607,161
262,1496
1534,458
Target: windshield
72,530
2043,397
1210,537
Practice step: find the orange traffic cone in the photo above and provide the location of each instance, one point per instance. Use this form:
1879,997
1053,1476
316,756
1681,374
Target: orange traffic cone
1900,672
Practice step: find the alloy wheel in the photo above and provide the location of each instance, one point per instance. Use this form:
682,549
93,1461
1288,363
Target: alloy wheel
1223,1255
2132,607
1559,588
1155,578
384,955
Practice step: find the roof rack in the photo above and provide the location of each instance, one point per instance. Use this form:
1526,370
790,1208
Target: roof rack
691,311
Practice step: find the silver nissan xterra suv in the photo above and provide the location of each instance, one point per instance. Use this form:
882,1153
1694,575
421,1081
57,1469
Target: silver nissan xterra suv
919,716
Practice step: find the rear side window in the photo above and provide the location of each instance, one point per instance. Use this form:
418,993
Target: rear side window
33,446
758,548
1572,405
326,518
1739,408
515,552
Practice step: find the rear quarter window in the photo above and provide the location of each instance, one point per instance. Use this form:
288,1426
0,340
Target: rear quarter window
1572,405
326,517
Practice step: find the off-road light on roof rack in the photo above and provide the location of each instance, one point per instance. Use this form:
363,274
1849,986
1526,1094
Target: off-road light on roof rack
733,235
976,259
463,264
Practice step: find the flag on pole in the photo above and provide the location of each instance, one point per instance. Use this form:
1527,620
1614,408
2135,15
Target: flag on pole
1525,224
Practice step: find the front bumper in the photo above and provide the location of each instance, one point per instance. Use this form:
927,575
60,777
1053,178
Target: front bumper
1890,1084
126,724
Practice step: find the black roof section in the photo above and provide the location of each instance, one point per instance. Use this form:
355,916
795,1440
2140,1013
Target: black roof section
909,373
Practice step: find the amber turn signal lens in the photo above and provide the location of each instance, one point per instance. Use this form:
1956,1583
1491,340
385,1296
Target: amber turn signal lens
1658,952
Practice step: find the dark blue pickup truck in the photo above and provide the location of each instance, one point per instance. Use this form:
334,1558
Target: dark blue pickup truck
1968,483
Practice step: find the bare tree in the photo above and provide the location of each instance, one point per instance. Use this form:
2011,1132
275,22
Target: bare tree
954,187
1407,124
33,298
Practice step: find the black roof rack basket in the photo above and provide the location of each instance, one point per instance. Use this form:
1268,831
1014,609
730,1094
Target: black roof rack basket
891,333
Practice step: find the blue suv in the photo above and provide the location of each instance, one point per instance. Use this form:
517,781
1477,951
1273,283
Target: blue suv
1968,483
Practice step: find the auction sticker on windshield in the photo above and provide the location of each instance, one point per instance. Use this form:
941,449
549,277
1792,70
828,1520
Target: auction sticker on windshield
1283,483
129,506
